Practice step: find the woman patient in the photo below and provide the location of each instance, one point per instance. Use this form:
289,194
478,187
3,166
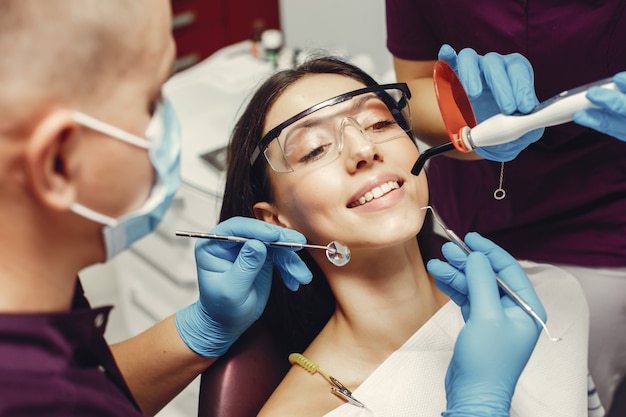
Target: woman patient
323,149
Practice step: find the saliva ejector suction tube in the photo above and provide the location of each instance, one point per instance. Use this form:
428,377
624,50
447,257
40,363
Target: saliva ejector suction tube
466,135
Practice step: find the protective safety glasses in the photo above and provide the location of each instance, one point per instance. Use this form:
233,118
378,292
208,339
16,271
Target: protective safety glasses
315,136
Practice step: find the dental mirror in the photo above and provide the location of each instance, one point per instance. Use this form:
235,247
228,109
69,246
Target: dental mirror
456,112
337,252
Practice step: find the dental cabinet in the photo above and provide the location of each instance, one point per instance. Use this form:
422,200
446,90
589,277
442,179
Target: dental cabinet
157,275
201,27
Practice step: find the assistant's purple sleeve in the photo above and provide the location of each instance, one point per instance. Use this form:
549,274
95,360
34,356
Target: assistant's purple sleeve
409,31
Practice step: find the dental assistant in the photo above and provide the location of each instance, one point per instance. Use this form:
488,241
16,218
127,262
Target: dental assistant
564,200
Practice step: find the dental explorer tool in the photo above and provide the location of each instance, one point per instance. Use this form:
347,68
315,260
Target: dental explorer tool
337,252
503,285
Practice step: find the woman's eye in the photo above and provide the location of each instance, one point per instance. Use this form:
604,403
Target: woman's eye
308,145
315,154
382,125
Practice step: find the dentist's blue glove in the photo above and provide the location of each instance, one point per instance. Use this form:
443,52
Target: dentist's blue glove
610,118
234,280
498,337
496,84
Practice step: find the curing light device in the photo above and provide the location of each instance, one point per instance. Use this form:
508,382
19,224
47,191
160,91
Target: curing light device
466,135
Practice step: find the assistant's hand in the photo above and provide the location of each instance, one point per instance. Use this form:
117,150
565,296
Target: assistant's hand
495,84
498,337
610,118
234,280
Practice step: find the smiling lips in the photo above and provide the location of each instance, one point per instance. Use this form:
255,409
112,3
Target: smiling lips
374,193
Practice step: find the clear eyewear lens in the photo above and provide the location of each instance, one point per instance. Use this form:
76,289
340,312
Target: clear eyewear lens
317,139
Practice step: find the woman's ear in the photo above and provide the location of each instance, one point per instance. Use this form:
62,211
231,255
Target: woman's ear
268,213
51,160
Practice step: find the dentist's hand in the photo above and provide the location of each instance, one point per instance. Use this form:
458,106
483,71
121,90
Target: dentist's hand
496,84
610,118
234,280
498,337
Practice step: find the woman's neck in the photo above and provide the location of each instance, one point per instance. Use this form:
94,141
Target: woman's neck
381,302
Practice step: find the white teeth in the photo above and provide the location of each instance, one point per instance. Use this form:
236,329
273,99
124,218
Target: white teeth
376,192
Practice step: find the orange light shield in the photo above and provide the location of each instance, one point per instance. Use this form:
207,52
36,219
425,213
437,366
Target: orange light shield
454,105
456,112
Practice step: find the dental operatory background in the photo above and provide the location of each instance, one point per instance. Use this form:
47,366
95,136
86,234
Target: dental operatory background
218,66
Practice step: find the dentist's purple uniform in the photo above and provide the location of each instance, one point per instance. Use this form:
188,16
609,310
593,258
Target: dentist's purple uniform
59,365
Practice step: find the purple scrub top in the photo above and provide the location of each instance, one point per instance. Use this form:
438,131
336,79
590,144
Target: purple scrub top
60,365
566,194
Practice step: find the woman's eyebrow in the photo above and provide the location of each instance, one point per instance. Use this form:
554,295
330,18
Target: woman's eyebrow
362,100
313,121
316,119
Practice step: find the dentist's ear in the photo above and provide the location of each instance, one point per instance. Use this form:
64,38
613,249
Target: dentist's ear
52,161
269,213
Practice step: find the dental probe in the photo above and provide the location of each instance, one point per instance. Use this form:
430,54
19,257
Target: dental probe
337,253
503,285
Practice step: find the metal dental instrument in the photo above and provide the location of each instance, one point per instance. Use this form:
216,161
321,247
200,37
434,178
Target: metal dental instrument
337,387
337,252
503,285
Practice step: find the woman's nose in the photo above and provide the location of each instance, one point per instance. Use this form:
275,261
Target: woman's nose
358,146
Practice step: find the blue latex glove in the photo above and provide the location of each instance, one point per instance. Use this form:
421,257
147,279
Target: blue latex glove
610,118
496,84
498,337
234,281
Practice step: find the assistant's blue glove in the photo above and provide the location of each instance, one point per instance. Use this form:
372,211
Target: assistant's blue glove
610,118
498,337
496,84
234,280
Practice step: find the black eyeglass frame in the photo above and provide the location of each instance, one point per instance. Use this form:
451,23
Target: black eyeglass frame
394,107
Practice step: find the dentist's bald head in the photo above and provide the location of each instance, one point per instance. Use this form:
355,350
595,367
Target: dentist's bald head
69,50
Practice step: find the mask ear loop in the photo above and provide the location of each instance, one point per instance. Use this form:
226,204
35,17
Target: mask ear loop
107,129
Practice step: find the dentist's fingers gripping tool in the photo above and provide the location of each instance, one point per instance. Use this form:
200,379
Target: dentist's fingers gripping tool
501,284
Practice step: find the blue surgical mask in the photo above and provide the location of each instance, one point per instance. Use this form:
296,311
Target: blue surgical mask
164,147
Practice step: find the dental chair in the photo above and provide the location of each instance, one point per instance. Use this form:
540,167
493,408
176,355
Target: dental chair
241,381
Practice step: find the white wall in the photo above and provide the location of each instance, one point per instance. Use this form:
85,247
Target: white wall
355,26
